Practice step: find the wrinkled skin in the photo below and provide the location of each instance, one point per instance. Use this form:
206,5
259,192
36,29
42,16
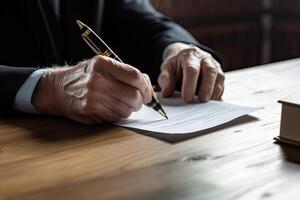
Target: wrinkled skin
186,64
93,91
102,89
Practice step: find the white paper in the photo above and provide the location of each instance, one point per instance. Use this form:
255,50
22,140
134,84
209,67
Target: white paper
184,118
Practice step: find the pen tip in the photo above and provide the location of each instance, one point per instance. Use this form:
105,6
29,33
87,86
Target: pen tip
163,113
80,24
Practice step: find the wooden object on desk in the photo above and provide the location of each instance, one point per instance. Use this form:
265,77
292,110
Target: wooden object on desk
48,158
290,123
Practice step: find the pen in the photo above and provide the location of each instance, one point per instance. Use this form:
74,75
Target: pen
101,48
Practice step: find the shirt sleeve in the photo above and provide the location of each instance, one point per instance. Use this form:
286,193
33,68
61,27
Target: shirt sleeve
22,102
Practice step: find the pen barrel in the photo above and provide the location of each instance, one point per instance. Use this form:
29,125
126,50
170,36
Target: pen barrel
154,104
97,44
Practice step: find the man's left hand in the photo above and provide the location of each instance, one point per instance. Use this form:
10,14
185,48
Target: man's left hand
185,64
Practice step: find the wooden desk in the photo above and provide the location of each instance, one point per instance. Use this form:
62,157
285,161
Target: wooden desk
44,158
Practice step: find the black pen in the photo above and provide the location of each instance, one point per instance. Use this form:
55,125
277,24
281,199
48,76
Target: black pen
101,48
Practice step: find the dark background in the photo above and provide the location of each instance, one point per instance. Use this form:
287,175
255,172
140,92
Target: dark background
245,32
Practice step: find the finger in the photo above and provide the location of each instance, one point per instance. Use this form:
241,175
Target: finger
167,80
128,95
96,112
219,87
126,74
209,77
107,114
101,113
148,81
122,92
118,107
191,70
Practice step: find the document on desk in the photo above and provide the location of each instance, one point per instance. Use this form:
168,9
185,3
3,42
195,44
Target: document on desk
184,118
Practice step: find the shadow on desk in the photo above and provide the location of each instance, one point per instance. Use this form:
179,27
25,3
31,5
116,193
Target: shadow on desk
290,153
49,129
175,138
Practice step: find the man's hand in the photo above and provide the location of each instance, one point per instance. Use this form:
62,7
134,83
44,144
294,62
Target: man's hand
93,91
186,64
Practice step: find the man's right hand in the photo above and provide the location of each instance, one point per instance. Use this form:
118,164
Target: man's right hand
93,91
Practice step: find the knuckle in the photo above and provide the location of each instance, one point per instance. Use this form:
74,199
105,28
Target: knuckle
96,61
221,77
109,61
206,54
102,62
99,59
189,51
219,87
196,51
135,94
193,49
135,74
146,76
218,64
192,69
91,83
211,70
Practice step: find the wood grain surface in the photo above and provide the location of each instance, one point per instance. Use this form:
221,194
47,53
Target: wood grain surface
47,158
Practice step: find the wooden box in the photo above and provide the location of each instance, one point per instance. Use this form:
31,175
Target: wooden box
290,121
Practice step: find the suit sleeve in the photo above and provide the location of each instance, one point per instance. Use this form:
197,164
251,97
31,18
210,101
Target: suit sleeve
11,79
140,34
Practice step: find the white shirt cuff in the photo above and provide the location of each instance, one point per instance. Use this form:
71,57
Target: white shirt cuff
24,95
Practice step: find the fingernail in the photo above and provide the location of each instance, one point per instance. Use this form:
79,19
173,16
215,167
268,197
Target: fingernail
207,98
204,98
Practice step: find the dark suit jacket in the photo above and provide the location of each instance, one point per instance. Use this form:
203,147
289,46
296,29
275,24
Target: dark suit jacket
32,37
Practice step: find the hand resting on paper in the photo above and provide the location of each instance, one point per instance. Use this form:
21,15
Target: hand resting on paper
186,64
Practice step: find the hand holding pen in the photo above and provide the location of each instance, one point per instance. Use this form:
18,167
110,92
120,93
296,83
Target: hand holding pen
101,48
93,91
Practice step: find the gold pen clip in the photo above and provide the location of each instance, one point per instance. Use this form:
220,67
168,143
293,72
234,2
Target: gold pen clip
87,36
